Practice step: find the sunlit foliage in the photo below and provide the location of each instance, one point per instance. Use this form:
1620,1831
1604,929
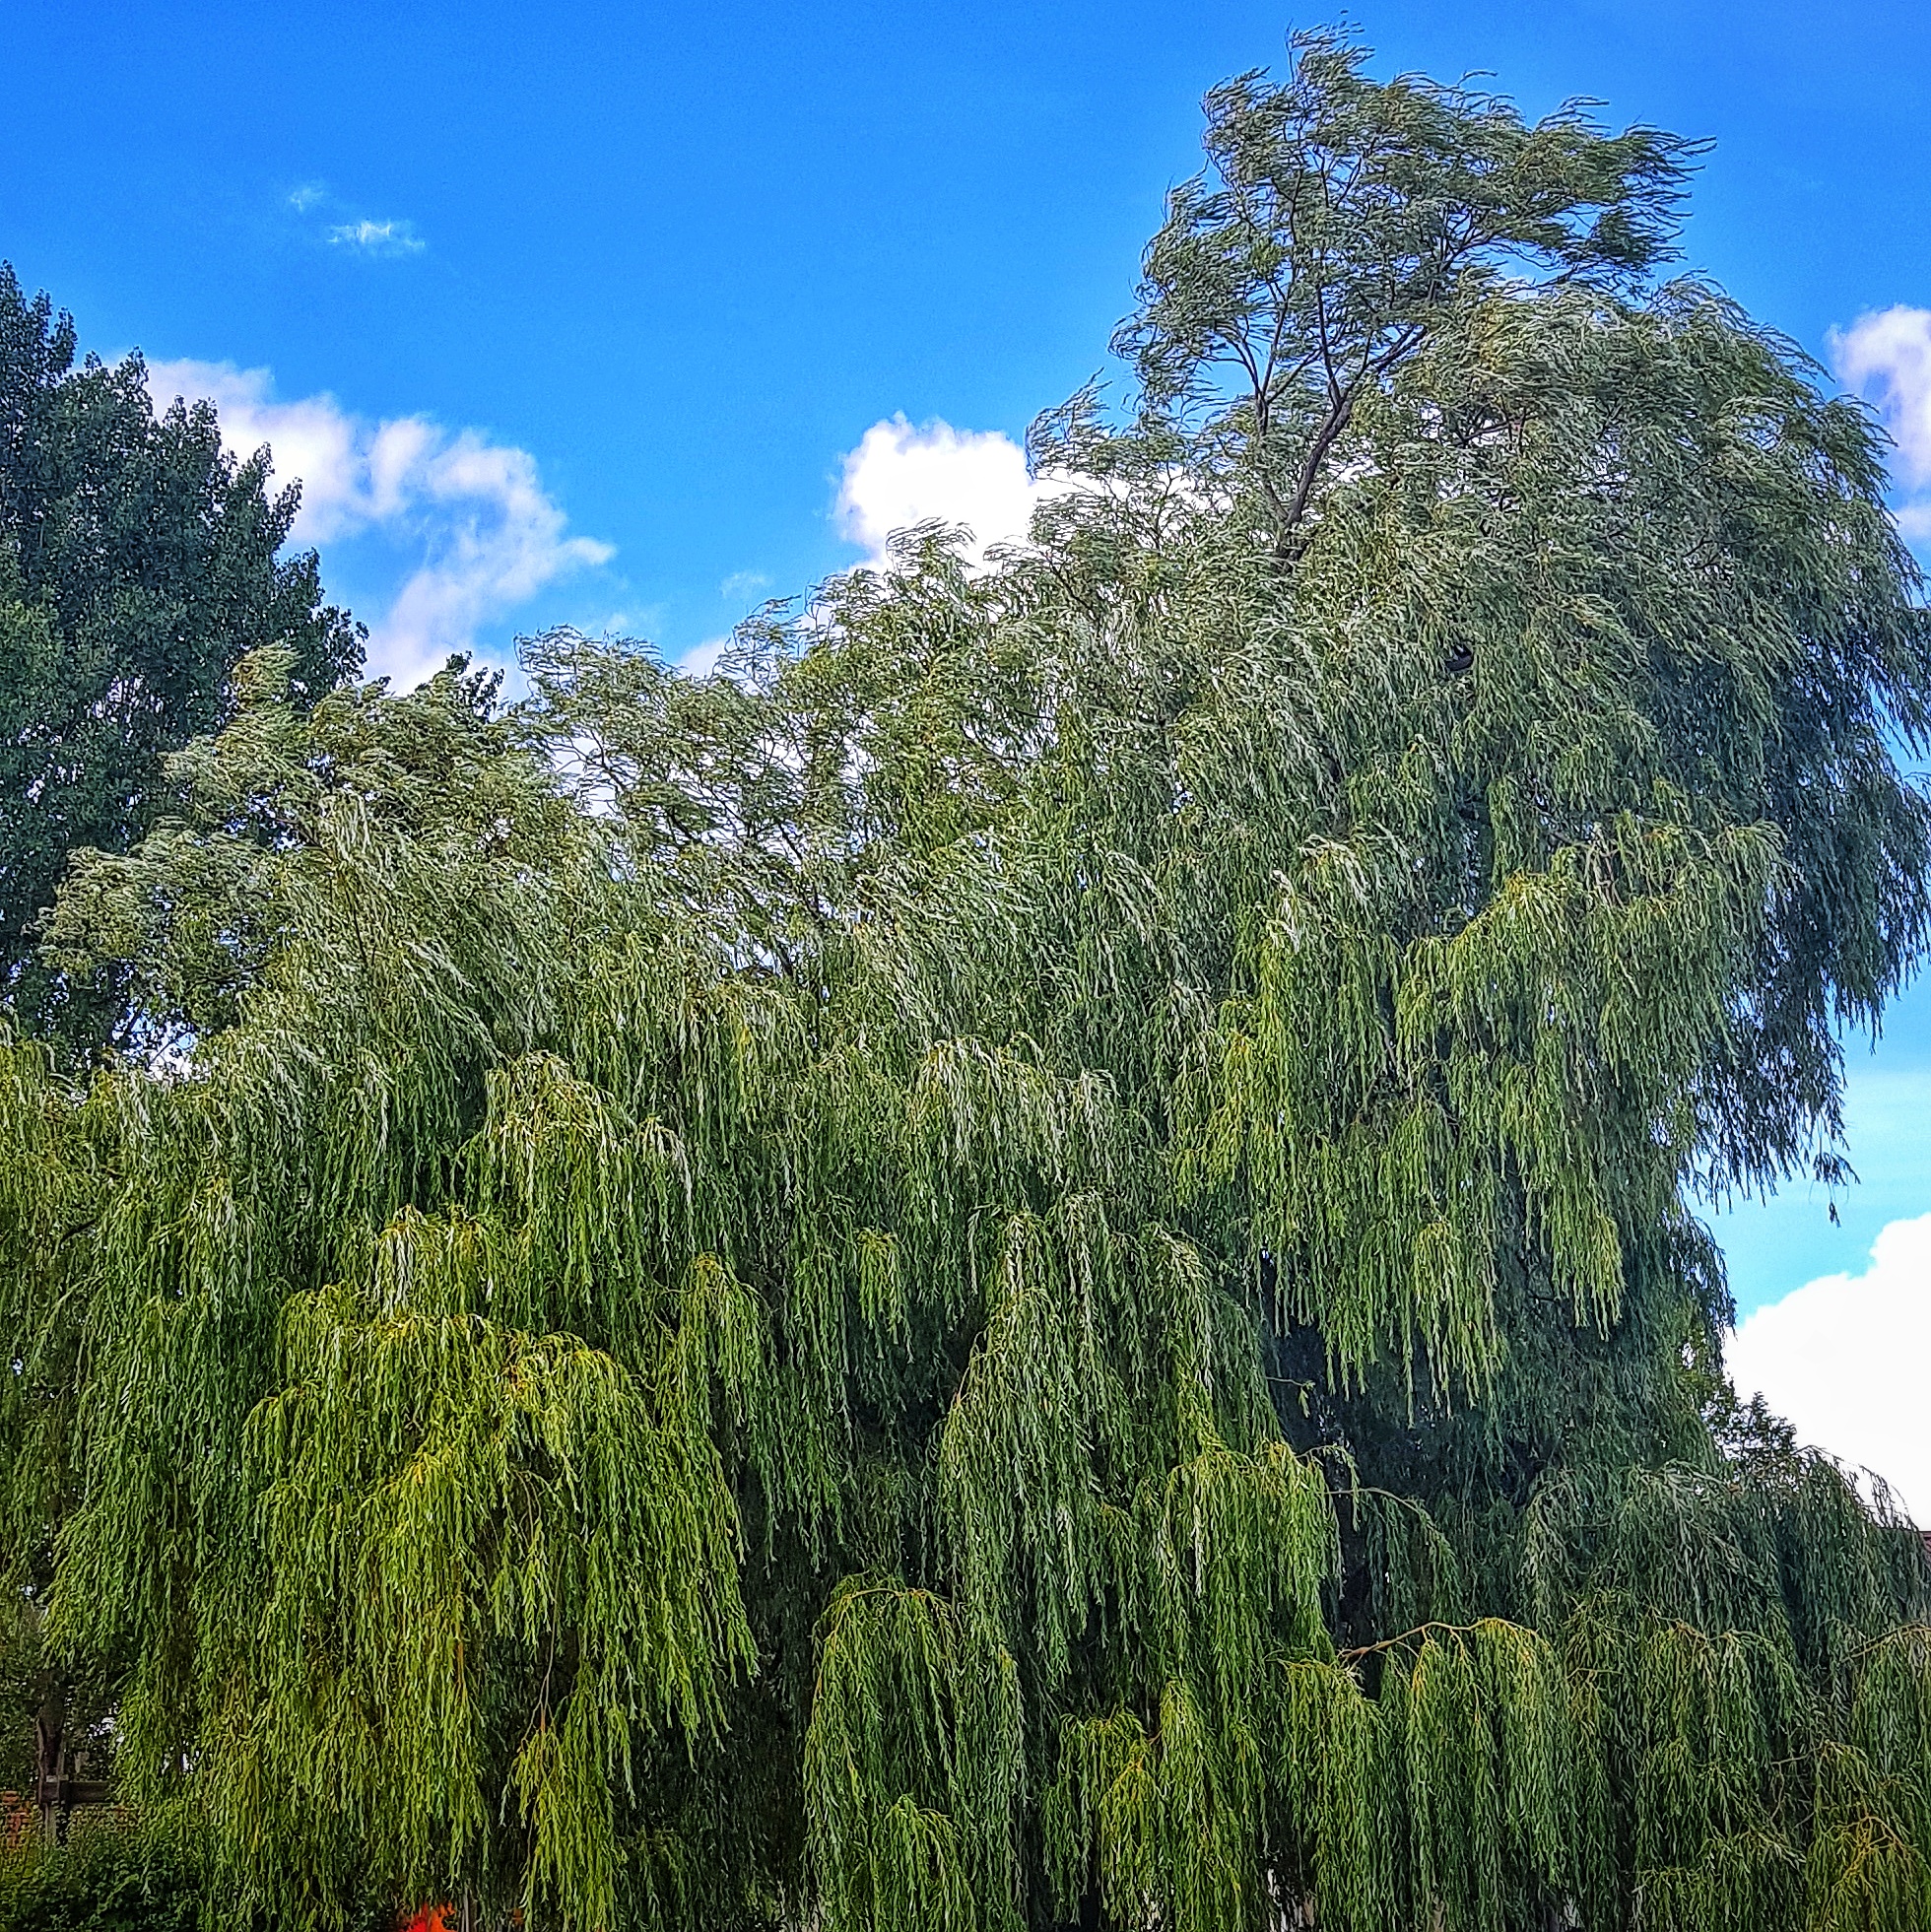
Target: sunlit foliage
1027,1261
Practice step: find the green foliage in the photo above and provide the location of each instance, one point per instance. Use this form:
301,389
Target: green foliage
138,566
1340,223
110,1877
1028,1259
116,1872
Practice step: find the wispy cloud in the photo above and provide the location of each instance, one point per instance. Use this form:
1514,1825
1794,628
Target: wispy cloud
1886,357
339,226
390,237
900,475
1843,1360
744,583
484,534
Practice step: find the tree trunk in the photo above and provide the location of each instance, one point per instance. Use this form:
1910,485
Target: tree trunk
50,1766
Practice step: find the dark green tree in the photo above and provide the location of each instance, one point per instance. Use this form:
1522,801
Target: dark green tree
138,564
1030,1262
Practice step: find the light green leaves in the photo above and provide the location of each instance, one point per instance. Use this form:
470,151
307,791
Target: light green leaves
1030,1260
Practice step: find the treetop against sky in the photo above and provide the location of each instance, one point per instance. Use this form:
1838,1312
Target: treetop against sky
1031,1259
638,322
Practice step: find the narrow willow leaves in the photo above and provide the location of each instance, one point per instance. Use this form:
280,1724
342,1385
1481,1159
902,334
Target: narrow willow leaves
1031,1259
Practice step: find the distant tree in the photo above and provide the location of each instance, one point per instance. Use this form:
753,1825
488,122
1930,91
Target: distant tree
1031,1261
138,563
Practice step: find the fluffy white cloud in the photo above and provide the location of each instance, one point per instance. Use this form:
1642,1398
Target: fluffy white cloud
1847,1360
701,660
1887,357
473,513
899,475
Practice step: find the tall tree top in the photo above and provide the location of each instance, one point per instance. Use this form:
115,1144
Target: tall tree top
1341,219
139,562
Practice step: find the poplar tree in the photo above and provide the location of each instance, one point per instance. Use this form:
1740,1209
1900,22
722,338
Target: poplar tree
139,562
1030,1260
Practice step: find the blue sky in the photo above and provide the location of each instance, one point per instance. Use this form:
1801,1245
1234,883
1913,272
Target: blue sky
685,257
605,314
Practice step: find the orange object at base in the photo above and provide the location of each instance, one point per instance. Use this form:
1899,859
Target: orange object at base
432,1918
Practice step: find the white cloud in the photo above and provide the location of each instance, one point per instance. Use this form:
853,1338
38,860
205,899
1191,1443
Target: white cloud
744,583
1886,357
899,475
1848,1361
390,237
473,512
701,660
357,234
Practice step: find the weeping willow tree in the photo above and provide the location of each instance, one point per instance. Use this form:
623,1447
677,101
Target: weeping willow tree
1030,1260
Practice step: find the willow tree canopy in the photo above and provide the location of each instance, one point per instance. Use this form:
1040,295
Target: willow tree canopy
1027,1260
